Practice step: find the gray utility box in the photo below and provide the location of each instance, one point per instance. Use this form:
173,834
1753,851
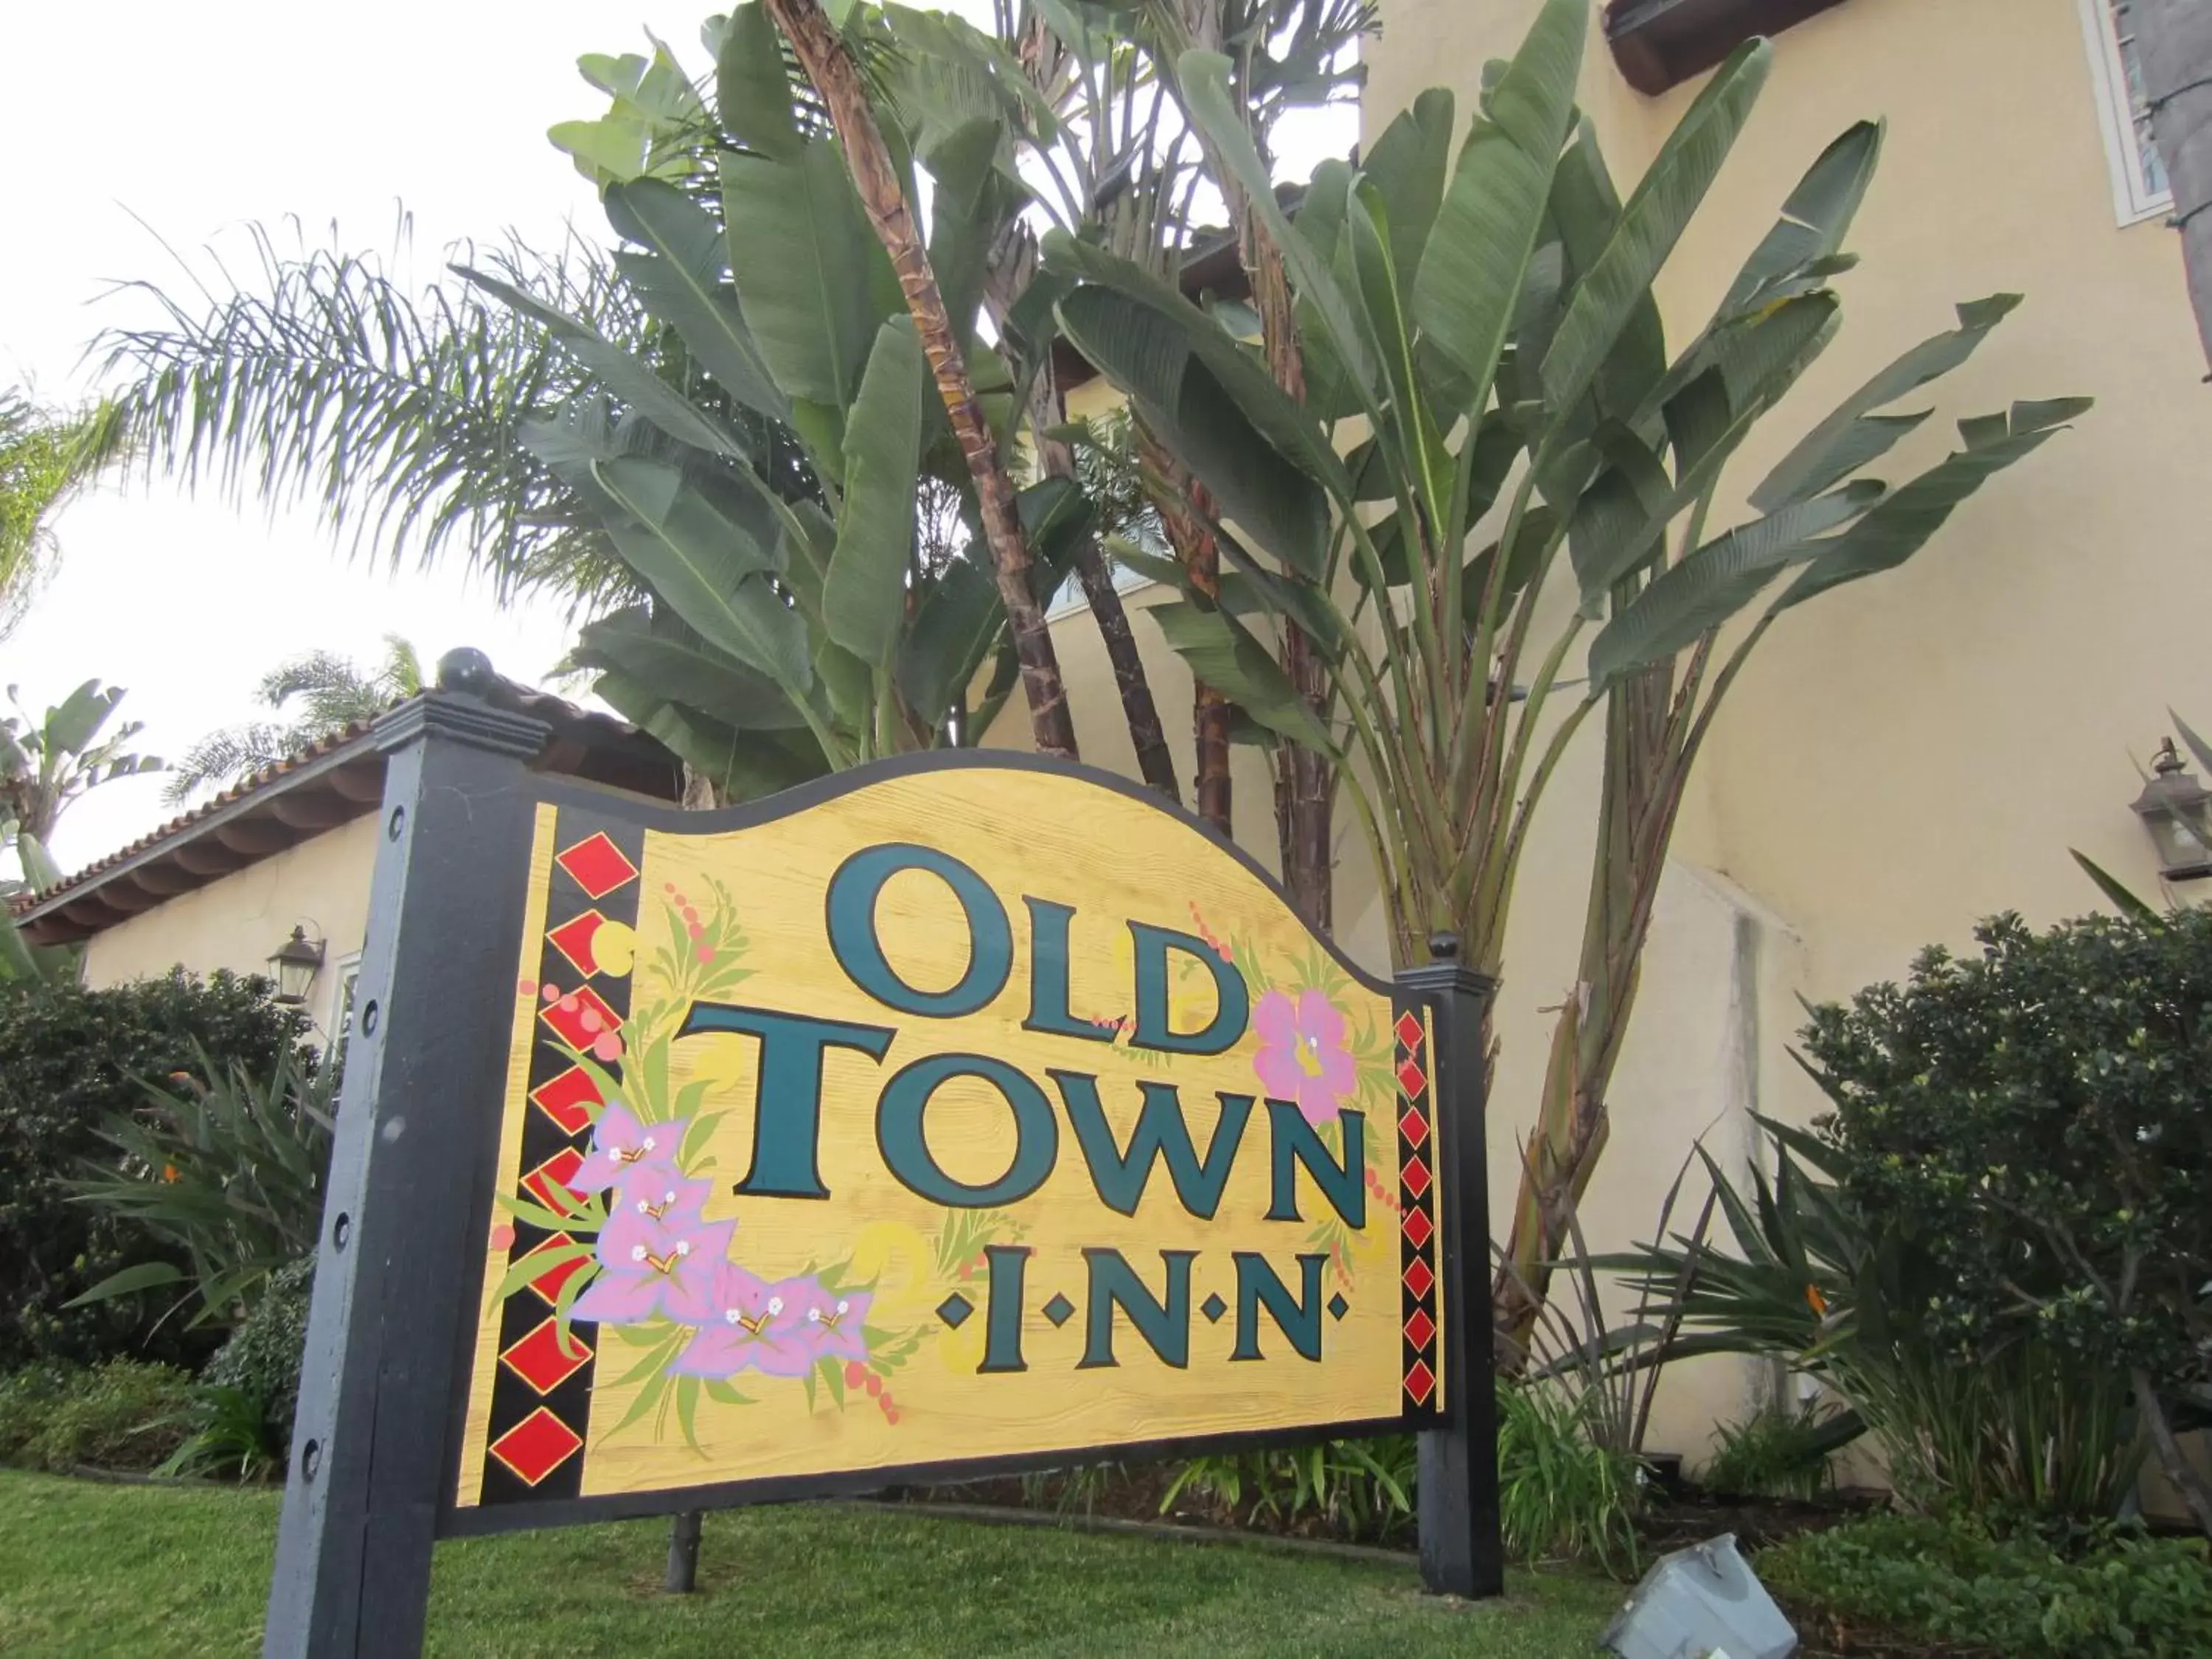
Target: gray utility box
1701,1603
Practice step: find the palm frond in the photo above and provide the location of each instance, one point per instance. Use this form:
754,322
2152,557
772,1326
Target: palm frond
47,457
393,410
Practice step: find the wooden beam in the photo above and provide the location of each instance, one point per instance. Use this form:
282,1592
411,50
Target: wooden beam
207,858
254,838
163,880
312,810
363,782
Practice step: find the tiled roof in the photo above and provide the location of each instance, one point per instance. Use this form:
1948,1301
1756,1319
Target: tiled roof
330,781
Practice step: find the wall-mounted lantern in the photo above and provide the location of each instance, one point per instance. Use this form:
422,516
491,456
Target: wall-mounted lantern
2172,808
296,962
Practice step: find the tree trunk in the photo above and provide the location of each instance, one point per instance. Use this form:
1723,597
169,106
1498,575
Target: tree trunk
1187,515
822,54
1641,788
1305,784
1155,762
2173,44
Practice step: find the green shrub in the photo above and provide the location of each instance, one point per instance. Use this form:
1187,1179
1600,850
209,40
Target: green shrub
1776,1453
229,1165
1563,1493
2038,1119
1955,1582
1362,1489
261,1360
71,1060
121,1415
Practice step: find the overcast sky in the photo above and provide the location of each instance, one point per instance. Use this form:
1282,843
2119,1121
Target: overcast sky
200,120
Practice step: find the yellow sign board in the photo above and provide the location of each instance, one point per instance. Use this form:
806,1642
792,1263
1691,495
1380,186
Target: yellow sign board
951,1115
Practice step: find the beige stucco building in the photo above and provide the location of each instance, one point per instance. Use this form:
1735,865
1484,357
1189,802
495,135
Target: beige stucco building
1902,758
1912,752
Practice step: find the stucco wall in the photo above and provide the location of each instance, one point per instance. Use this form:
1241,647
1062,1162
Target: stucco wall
236,920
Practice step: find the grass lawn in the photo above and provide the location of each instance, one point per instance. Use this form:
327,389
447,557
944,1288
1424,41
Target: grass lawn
88,1568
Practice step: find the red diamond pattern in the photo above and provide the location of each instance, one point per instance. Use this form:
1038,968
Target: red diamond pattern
597,865
543,1360
1411,1080
536,1446
1413,1127
1409,1030
1420,1383
1418,1329
1418,1228
548,1182
573,939
569,1100
567,1018
1415,1175
1419,1279
548,1283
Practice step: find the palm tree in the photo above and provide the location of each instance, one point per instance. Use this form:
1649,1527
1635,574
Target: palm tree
48,761
329,693
46,456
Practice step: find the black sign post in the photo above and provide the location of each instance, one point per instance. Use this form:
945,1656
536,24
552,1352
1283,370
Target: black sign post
384,1376
1461,1551
390,1306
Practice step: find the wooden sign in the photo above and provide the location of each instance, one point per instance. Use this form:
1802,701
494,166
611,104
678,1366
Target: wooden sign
958,1114
952,1115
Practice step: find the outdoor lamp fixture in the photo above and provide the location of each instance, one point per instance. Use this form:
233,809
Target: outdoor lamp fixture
296,962
2172,806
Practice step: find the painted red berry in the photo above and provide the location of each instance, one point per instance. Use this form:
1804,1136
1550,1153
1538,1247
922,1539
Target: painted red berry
890,1416
874,1384
856,1373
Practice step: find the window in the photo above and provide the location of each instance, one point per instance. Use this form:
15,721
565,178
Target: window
341,1026
2139,185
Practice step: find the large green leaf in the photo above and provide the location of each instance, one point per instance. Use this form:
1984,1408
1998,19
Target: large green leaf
70,728
954,627
1901,526
1145,353
676,665
971,206
1587,209
805,266
1651,225
623,376
751,89
1852,435
1467,289
1219,114
1407,166
743,765
705,567
1617,522
864,596
1705,589
1815,220
1294,430
1223,654
686,288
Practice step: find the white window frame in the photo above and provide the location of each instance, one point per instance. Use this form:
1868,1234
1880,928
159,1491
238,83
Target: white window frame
345,973
2133,198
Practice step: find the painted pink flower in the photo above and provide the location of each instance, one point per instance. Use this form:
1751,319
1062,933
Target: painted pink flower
832,1322
756,1326
1302,1057
649,1265
653,1191
619,1140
